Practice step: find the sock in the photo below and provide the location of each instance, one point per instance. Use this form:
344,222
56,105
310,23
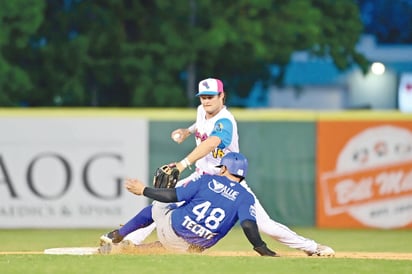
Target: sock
142,219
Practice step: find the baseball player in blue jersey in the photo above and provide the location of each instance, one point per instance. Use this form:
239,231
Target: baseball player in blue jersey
216,134
212,206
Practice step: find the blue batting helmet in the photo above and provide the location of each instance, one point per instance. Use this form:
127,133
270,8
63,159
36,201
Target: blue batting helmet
236,163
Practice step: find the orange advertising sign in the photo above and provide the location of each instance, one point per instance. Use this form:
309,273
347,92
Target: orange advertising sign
364,174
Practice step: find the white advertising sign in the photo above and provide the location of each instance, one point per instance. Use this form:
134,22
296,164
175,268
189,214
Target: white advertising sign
69,172
405,93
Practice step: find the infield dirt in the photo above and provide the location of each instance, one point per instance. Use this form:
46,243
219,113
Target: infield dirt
346,254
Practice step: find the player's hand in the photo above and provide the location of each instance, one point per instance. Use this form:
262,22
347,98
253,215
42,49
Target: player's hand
134,186
263,250
180,167
179,135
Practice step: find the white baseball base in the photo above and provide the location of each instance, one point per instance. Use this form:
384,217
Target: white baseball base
72,251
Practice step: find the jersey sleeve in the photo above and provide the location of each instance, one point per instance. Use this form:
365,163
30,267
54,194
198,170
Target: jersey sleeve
224,130
247,209
187,191
192,128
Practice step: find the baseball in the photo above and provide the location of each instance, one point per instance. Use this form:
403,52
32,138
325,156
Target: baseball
176,136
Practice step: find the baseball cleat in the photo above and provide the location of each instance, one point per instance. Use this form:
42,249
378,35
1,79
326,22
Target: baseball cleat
322,250
113,237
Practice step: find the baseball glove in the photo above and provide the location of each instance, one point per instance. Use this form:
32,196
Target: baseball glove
166,177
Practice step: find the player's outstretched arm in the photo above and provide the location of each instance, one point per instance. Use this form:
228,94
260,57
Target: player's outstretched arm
166,195
198,152
252,234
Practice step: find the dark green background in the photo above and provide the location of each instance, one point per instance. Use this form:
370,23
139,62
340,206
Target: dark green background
281,163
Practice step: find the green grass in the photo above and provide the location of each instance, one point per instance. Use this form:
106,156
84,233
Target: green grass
340,240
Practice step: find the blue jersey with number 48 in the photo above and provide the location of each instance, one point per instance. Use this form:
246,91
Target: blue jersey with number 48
213,206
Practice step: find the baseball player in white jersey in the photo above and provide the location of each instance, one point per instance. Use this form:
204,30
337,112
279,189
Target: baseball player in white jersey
216,134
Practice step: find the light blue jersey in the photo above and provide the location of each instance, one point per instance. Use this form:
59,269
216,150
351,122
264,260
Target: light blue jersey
213,206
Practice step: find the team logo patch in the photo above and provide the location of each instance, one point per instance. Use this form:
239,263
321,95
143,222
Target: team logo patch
219,127
215,186
223,190
206,84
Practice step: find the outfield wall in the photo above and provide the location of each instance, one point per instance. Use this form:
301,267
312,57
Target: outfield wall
62,167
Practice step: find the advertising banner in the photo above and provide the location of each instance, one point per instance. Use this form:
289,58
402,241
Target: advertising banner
405,93
69,172
364,174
